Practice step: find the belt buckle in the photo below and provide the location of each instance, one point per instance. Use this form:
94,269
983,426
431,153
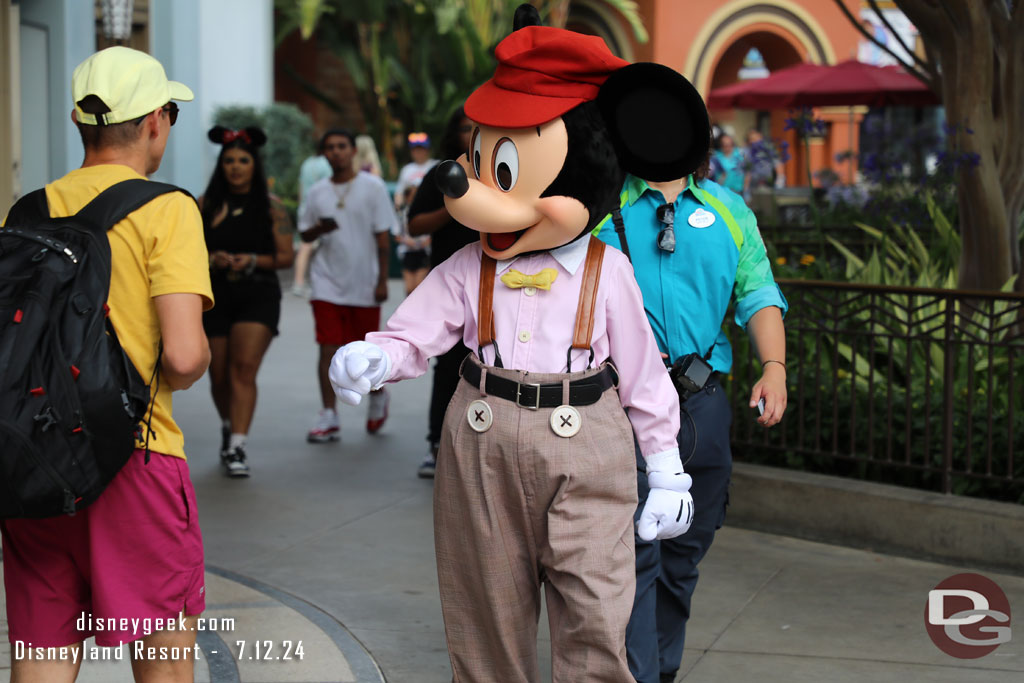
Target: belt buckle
519,393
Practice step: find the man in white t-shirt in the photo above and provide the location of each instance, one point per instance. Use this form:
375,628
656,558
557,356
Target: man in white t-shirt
313,169
352,215
412,173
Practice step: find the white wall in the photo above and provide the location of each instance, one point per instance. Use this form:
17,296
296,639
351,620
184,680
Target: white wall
35,105
173,26
70,38
224,51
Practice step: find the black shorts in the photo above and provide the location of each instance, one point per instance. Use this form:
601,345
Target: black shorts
243,301
416,259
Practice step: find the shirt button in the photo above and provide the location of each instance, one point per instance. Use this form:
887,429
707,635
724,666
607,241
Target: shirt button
529,291
524,336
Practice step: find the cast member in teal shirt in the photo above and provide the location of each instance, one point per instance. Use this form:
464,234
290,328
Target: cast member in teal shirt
718,257
729,161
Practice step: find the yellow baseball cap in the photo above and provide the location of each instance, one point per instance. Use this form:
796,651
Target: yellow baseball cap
130,83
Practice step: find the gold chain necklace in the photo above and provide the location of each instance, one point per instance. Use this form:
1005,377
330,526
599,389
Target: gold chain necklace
343,195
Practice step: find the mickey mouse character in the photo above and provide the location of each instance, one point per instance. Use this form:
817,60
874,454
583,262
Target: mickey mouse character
536,479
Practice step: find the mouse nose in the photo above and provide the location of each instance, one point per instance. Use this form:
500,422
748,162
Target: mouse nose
451,179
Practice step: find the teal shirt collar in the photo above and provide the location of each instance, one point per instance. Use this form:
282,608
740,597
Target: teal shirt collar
634,188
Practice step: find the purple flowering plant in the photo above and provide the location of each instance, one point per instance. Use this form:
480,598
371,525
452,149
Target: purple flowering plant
901,165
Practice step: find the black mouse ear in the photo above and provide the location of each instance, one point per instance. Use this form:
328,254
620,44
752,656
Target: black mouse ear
526,15
256,135
216,134
657,121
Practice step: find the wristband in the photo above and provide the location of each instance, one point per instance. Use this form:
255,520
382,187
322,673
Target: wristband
252,264
766,362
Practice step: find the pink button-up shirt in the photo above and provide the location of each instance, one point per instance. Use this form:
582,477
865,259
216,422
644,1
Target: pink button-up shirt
534,328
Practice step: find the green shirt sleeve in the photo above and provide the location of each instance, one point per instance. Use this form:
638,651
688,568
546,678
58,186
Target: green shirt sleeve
755,286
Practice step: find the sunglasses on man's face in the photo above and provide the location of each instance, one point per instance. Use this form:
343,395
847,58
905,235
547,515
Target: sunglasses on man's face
666,214
172,111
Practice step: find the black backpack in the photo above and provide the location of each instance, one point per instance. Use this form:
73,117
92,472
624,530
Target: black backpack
71,401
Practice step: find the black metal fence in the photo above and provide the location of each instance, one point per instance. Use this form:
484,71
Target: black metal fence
918,387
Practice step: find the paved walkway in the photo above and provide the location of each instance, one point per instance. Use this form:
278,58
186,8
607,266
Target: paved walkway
332,545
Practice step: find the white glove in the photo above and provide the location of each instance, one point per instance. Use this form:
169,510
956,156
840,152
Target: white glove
356,369
668,511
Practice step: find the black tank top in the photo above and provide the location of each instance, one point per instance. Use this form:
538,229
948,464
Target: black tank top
242,231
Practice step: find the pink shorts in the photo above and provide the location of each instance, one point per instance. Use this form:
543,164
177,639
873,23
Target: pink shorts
134,554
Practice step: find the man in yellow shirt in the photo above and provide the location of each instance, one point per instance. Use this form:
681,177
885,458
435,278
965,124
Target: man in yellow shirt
136,553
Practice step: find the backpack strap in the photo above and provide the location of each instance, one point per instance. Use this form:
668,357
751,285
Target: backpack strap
723,210
31,208
620,230
115,203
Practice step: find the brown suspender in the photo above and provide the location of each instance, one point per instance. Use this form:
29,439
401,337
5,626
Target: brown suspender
584,329
485,322
588,295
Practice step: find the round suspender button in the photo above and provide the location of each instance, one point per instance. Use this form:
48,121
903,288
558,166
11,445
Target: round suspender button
566,421
480,416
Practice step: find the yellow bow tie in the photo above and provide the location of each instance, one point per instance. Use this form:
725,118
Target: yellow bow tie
541,280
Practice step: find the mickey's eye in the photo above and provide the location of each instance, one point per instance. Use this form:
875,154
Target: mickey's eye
506,164
475,153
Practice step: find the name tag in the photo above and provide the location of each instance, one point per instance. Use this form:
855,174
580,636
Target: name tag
701,219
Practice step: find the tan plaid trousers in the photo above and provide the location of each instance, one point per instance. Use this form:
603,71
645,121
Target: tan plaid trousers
517,506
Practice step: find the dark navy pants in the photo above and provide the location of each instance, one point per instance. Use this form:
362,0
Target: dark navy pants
666,571
446,379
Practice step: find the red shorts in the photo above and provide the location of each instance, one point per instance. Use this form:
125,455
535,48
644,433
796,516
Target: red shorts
337,325
136,553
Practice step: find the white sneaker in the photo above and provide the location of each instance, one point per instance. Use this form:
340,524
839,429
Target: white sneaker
327,428
429,464
379,401
234,463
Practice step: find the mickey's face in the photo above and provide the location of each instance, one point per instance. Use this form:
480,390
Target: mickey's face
507,170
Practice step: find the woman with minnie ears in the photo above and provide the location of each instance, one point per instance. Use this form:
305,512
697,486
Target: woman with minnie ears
248,239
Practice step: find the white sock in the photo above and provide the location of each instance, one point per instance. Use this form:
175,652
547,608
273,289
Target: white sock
236,441
329,412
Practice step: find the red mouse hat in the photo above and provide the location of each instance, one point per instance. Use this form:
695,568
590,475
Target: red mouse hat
542,73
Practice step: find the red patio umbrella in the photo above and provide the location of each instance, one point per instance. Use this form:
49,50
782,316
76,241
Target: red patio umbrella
740,95
813,85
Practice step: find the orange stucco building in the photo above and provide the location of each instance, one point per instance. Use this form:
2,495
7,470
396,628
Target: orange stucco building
708,40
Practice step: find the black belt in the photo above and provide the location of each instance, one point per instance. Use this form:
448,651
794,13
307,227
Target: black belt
582,392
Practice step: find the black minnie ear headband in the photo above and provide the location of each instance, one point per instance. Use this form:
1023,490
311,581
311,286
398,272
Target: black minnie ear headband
251,136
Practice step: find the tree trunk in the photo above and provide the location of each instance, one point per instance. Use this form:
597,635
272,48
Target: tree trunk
980,47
